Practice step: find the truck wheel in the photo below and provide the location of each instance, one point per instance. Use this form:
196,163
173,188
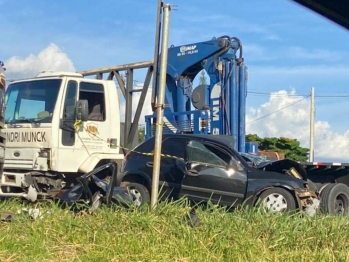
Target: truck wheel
140,193
335,199
277,200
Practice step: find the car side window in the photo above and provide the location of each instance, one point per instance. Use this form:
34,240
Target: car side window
173,147
198,152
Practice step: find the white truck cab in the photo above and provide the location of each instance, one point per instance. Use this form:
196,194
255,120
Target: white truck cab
58,125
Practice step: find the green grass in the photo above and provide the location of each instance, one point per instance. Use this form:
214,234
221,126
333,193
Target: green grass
118,234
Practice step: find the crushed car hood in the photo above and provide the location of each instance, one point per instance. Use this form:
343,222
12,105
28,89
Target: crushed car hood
280,165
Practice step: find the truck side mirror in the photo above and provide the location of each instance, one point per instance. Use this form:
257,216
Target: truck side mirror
82,110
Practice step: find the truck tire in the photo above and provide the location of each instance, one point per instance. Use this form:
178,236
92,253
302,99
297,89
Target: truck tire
277,200
140,193
335,199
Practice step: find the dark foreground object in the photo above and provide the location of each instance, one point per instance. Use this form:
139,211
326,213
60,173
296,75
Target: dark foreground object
93,189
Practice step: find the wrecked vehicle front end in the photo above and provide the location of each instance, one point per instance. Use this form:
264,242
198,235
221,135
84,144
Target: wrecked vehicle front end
308,200
292,176
95,188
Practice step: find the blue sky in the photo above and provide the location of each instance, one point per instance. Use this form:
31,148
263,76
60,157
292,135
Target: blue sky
286,46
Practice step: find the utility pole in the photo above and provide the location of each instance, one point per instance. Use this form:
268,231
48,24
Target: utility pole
156,52
312,121
160,106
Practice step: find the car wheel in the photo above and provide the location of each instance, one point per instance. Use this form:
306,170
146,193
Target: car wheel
140,193
335,199
277,200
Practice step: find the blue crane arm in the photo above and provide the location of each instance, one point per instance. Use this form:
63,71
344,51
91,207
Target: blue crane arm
189,60
218,109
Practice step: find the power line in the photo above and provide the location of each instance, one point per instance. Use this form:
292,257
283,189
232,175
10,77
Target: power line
271,94
291,95
332,96
254,120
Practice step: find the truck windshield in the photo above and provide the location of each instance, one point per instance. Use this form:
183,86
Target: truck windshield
32,101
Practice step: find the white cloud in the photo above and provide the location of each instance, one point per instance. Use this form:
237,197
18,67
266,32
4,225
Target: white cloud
50,58
293,122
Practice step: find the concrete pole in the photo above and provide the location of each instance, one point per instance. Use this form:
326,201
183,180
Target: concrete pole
160,107
312,129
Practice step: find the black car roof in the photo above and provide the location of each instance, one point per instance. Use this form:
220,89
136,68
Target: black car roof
227,141
224,139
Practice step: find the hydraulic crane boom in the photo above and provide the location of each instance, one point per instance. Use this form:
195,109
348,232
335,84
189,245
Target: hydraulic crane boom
219,105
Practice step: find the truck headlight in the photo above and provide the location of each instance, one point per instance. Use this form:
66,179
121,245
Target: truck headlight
2,152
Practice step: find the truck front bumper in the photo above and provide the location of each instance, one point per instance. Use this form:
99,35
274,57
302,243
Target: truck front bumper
18,185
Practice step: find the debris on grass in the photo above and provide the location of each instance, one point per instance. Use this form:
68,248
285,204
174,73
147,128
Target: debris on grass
7,216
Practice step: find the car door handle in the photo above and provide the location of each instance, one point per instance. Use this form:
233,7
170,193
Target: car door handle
192,172
149,164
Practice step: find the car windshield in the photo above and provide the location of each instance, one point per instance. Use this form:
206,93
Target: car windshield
253,158
32,101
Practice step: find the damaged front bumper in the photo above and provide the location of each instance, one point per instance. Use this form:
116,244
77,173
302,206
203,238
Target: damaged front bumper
18,185
89,189
308,200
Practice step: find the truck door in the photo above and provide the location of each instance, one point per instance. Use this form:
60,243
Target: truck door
91,138
209,176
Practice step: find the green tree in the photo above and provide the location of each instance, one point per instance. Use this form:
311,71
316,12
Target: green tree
288,146
253,138
203,79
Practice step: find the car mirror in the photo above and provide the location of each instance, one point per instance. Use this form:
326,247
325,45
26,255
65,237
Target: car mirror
82,110
192,172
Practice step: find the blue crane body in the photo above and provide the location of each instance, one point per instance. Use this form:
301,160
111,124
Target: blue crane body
216,108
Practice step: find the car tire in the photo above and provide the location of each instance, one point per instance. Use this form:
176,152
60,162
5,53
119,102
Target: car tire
335,199
277,200
140,193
